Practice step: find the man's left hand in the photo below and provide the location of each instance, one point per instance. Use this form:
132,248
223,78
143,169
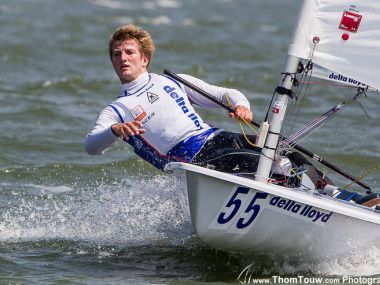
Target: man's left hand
242,113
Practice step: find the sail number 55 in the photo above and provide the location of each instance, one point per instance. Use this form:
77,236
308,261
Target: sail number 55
237,200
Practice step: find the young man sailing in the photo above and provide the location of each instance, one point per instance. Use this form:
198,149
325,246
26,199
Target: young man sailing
155,113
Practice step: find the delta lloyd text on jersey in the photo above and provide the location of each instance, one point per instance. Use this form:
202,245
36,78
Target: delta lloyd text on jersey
182,103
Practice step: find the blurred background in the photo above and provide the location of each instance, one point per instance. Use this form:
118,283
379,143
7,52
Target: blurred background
71,218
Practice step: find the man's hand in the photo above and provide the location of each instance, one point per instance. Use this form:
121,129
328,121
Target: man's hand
241,113
127,129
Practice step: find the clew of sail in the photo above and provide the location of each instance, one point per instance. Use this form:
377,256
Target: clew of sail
343,38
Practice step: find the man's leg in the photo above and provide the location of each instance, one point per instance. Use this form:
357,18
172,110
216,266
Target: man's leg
229,152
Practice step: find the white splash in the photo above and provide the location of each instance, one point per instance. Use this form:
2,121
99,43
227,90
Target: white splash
131,212
109,4
168,4
361,261
160,20
188,22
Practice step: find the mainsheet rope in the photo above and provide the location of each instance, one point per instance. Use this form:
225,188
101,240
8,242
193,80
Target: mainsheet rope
241,125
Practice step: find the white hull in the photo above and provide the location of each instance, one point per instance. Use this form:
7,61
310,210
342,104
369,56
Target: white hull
238,214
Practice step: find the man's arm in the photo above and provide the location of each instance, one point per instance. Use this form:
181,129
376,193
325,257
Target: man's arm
101,138
226,95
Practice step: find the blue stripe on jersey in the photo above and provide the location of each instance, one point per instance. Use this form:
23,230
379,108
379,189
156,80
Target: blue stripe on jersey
117,112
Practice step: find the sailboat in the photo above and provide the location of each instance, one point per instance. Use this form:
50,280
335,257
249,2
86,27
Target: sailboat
333,40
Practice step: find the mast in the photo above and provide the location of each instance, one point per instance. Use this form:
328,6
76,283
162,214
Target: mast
278,113
283,91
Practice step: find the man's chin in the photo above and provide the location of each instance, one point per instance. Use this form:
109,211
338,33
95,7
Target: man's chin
125,79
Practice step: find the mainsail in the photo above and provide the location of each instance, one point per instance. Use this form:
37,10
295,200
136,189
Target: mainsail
342,37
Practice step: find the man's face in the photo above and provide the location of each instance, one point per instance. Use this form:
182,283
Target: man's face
128,61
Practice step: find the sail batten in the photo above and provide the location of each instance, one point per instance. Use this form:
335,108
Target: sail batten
348,34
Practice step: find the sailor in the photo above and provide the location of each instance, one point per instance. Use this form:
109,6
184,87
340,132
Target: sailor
155,114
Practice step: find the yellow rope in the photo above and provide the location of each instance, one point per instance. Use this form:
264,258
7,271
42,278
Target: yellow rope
241,125
372,170
245,136
299,177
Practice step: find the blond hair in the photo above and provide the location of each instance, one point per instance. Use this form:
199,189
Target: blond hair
132,32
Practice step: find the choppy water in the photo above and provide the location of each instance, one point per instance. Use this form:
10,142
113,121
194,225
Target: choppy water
69,218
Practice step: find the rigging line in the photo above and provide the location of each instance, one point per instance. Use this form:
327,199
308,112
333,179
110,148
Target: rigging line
245,136
292,144
300,98
292,111
296,174
270,104
309,67
293,104
358,179
320,121
364,110
304,95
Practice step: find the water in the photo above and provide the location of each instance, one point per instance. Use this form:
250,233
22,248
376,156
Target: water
70,218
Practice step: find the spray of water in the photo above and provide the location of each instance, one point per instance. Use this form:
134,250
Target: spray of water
147,212
127,212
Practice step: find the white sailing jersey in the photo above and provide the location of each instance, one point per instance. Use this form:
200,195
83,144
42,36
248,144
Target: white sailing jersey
174,131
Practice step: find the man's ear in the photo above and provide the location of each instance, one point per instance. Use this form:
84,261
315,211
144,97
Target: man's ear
145,61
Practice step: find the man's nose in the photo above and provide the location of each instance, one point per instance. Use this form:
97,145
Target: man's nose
123,56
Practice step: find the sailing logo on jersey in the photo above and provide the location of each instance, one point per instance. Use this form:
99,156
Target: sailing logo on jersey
138,113
350,21
152,97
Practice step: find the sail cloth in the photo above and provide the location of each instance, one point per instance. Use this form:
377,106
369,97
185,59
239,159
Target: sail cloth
338,79
346,36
